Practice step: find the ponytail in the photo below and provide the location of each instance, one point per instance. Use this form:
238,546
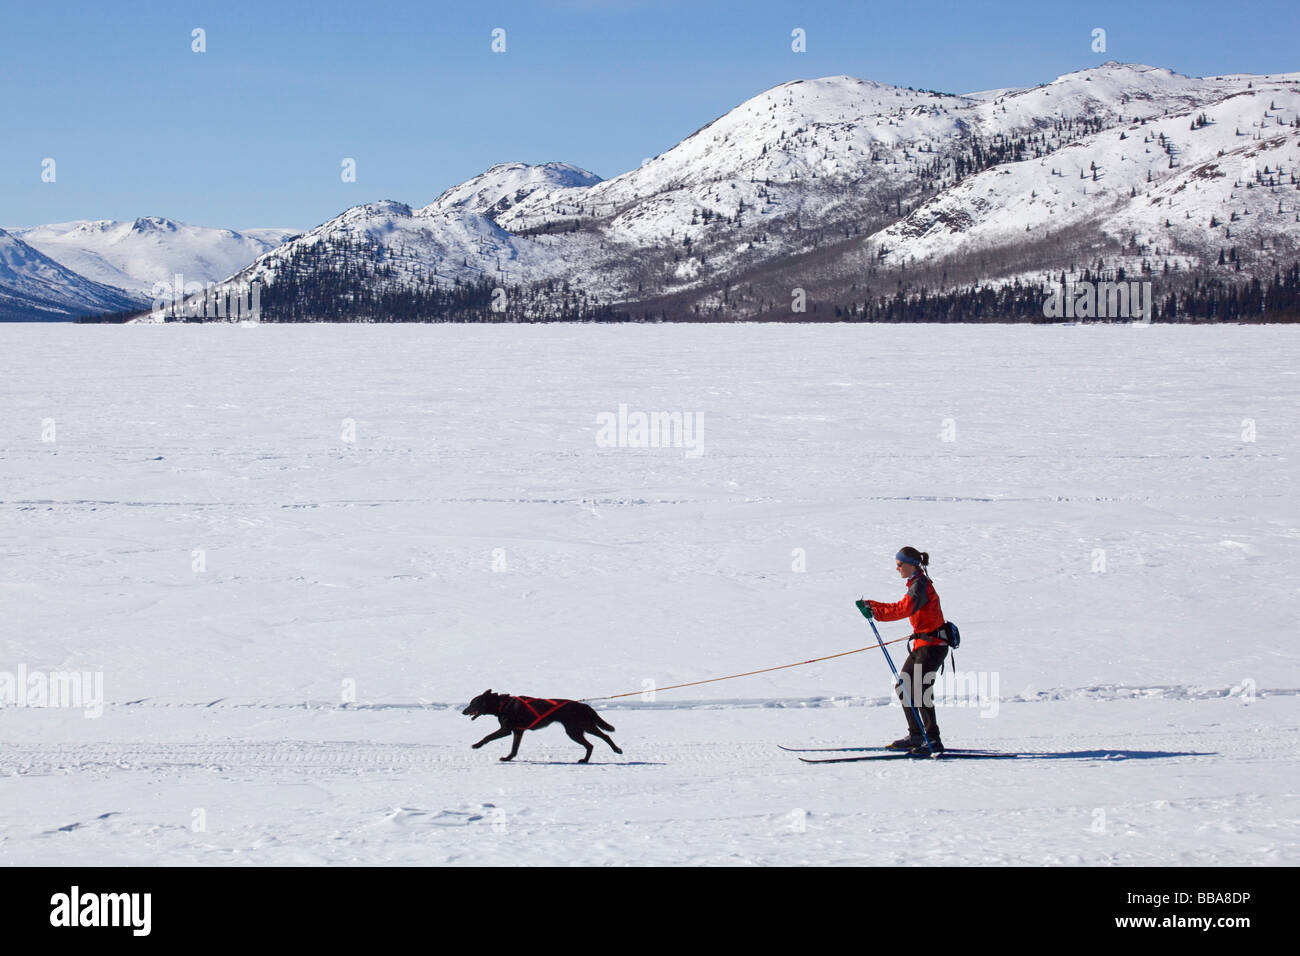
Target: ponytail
919,558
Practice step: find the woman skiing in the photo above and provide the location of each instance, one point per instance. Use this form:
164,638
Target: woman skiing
927,649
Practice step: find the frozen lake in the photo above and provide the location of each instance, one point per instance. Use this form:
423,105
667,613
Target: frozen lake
292,553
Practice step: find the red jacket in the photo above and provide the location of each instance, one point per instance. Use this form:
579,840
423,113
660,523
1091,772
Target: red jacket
920,605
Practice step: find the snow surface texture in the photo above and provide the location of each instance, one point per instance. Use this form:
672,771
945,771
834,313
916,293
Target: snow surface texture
1160,692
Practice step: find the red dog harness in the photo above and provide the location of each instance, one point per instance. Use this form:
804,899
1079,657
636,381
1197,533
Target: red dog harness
538,718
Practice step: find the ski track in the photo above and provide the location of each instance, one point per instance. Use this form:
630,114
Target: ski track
666,800
49,504
1101,692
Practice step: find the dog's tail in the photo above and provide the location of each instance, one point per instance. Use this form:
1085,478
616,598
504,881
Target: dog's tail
602,723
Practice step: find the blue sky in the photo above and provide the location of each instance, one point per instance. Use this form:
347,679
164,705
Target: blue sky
253,131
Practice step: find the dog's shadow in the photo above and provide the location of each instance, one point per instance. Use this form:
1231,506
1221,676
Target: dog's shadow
574,763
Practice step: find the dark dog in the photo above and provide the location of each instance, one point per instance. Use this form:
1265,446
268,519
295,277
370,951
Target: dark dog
518,714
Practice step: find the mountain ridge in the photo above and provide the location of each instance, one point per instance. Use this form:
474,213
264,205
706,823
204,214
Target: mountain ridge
844,187
872,180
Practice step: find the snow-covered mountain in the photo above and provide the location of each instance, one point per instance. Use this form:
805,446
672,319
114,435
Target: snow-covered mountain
454,237
33,287
842,187
836,184
1182,184
505,185
135,255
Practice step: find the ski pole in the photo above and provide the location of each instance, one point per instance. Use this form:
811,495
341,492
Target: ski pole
902,683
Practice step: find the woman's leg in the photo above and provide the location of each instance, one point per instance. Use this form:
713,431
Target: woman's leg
905,689
919,672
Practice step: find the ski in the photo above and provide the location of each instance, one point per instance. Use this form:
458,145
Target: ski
886,750
901,755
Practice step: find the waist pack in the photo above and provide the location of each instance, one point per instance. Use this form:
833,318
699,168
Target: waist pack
952,637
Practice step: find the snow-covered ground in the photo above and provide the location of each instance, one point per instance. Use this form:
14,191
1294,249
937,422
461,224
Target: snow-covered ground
239,528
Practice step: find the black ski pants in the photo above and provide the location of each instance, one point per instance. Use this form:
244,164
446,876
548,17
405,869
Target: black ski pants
917,678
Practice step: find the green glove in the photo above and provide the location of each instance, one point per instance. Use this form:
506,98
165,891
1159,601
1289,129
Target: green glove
865,608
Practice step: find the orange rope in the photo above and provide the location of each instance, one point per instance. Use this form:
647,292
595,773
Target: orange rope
713,680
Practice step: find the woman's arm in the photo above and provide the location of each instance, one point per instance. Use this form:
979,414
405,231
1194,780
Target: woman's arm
916,598
893,612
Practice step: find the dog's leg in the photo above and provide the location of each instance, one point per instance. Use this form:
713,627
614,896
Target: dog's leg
496,735
613,746
576,734
519,735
